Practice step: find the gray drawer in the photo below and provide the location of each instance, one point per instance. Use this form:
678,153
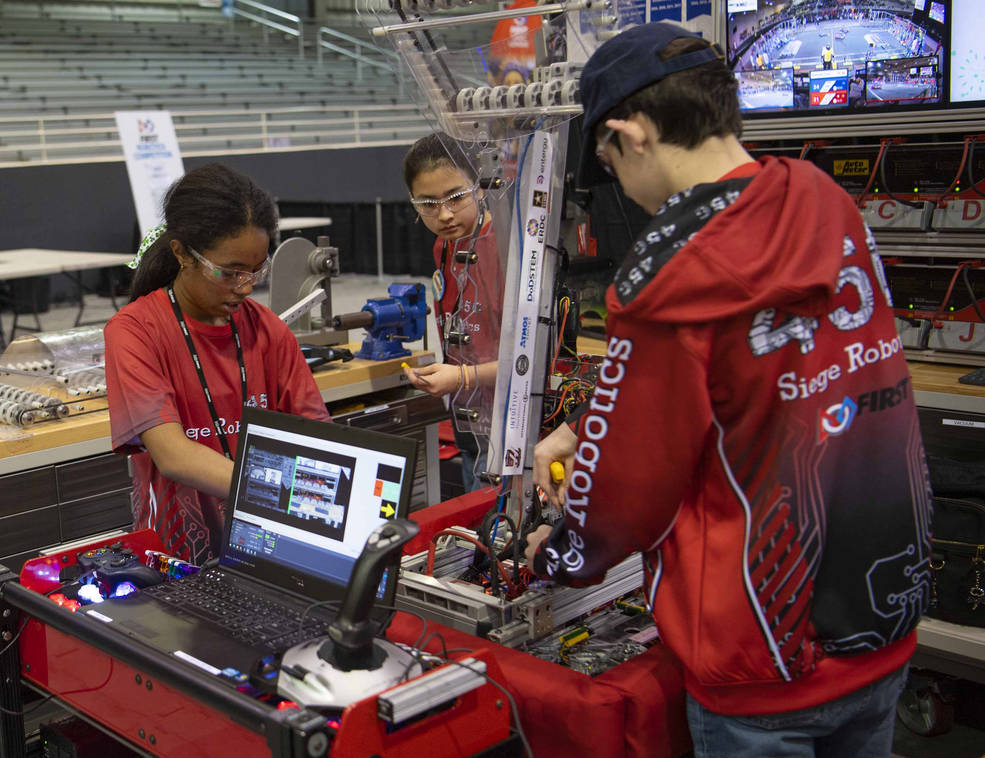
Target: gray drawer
91,476
395,411
953,434
16,562
27,490
110,510
391,418
30,530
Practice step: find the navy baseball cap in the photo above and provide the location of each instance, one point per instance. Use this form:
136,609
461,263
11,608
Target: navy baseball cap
624,64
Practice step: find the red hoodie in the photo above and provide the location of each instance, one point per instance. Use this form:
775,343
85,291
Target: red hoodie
753,433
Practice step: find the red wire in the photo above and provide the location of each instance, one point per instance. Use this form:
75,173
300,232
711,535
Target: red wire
560,405
936,318
872,174
560,333
941,201
511,588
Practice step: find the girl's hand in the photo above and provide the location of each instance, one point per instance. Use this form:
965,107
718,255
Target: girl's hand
438,379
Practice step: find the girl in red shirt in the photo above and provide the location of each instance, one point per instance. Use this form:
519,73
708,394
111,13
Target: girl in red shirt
467,287
191,349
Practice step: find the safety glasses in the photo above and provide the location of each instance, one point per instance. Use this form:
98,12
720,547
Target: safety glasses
454,203
232,278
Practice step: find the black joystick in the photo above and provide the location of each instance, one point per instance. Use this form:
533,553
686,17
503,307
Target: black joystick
351,664
350,637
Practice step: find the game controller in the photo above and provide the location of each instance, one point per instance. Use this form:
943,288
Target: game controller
352,663
115,564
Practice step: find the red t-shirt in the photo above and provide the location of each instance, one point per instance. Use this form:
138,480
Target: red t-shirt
477,291
151,380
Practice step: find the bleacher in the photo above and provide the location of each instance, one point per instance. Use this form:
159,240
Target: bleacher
230,84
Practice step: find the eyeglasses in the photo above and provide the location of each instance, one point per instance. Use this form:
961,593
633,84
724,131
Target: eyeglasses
454,203
601,155
233,278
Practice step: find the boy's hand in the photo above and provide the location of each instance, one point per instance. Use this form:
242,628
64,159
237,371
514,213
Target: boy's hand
534,539
559,446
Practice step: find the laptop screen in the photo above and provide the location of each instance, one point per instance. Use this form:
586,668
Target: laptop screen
306,495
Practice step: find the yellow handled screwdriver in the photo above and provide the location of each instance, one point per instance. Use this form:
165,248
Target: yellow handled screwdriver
557,472
406,365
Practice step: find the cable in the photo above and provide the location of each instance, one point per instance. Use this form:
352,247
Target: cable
971,168
564,302
971,292
968,142
947,295
26,711
311,607
99,686
429,570
13,640
487,533
622,212
885,184
513,708
883,145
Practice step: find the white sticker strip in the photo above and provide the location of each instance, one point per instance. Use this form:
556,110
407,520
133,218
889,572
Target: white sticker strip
101,617
963,422
534,229
196,662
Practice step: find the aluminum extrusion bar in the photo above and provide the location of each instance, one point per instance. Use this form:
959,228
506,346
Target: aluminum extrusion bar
477,18
430,690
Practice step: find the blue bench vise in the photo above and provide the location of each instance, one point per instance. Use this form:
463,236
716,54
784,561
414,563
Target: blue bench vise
389,321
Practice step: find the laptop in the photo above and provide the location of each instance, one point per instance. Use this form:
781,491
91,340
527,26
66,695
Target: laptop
305,496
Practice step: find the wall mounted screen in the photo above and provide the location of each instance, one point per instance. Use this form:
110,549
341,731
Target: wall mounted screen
839,56
967,51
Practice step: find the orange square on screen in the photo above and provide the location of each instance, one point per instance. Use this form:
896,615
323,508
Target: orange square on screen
378,489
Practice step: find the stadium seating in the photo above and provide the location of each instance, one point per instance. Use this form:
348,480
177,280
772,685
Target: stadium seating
66,67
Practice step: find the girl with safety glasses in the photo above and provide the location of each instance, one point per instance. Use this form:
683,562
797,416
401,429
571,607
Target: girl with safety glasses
191,349
467,287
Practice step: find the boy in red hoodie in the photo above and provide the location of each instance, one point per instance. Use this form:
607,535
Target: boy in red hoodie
753,431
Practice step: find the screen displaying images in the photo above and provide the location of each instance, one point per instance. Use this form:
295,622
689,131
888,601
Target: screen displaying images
768,90
828,50
967,51
903,80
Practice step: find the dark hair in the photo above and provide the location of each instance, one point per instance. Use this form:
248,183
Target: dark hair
437,150
205,206
688,106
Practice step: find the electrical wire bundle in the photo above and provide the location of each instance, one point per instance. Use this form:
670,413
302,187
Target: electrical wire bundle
573,392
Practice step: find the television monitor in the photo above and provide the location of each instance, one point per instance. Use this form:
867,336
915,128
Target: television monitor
967,51
902,80
920,4
766,90
827,45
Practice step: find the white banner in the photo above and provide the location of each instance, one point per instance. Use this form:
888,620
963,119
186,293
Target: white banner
153,158
534,226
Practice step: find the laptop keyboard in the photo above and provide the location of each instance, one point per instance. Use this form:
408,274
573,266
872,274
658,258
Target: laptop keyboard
212,595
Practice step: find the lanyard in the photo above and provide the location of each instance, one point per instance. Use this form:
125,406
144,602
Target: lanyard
439,306
219,431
